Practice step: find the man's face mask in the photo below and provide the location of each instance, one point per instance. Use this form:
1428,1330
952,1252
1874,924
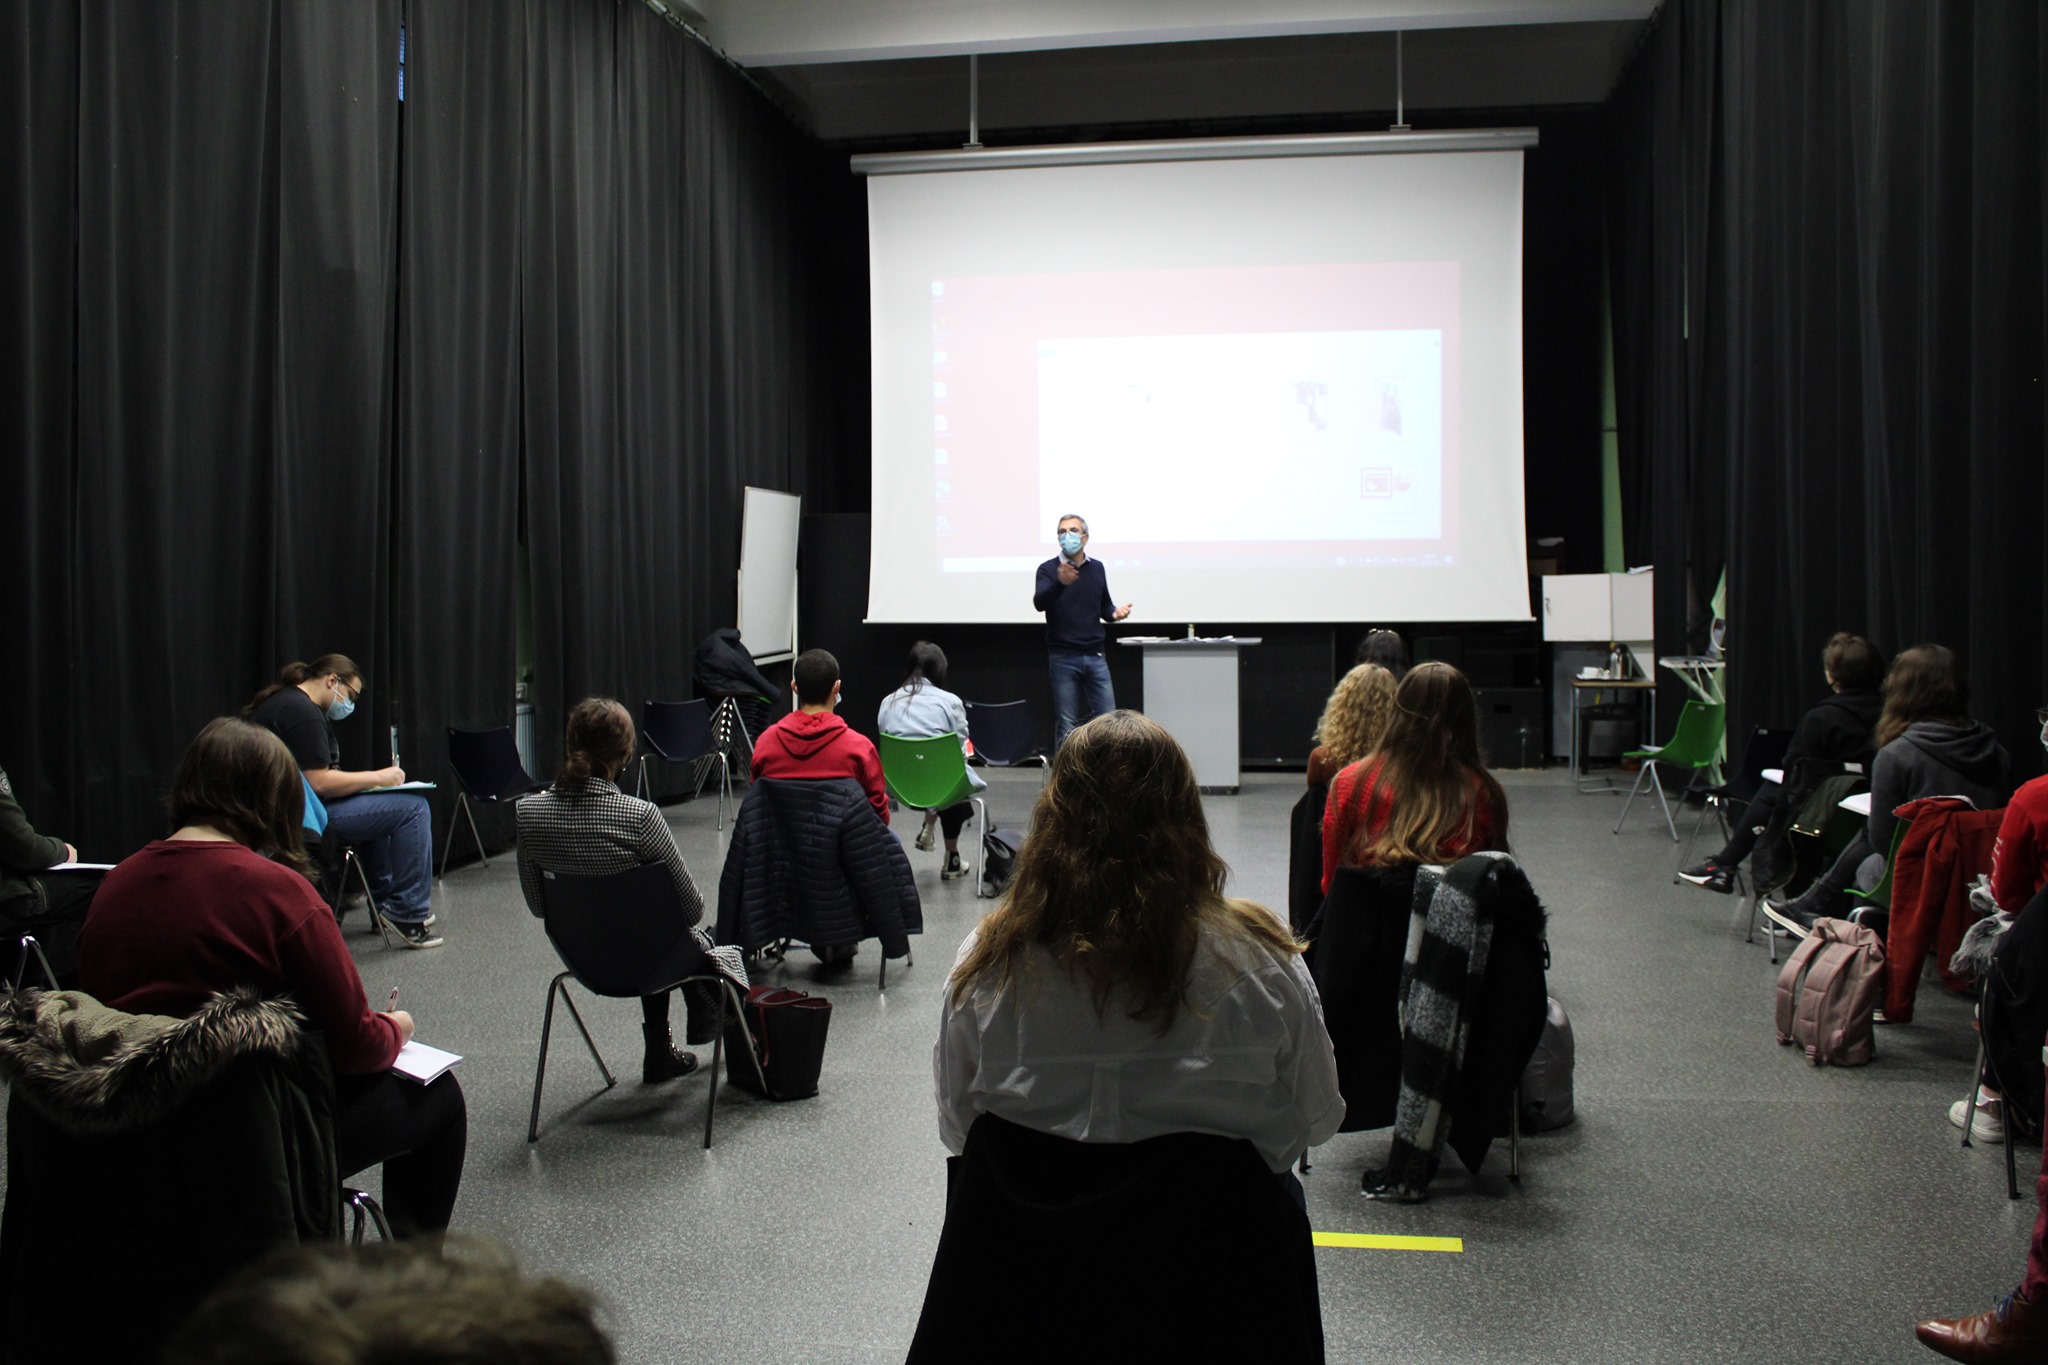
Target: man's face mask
1070,542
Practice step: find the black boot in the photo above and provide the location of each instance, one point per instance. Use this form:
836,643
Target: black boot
700,1013
662,1061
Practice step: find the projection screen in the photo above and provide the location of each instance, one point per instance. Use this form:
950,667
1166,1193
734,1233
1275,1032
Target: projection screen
1283,389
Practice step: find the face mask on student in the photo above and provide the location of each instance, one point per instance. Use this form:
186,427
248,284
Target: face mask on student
1070,542
341,708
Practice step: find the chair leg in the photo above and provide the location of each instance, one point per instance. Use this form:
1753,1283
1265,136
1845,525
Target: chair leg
1515,1136
981,849
1647,770
640,783
378,924
469,814
1657,786
724,792
717,1052
364,1210
448,845
29,947
540,1069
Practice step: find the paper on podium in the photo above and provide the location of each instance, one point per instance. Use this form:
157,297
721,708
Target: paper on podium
418,1062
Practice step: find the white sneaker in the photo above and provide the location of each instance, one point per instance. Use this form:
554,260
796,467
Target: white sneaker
926,841
1987,1125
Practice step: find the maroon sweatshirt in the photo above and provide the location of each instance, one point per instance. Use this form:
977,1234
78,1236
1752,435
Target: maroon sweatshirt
183,918
801,745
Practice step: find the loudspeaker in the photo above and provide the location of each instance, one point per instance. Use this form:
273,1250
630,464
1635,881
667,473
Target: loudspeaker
1511,726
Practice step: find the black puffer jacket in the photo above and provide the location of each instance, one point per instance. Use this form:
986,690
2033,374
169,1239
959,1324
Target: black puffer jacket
810,861
723,666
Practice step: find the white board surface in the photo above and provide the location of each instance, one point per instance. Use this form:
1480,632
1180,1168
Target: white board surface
767,614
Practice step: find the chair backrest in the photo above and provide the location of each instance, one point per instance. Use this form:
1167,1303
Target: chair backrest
924,773
1696,740
486,763
1002,731
1881,894
678,730
1766,749
611,930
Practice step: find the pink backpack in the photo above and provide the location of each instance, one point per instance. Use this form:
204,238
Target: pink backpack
1828,991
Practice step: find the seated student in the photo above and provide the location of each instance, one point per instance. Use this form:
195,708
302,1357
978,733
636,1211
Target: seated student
920,709
49,906
1425,796
586,826
1082,1004
1353,720
812,742
1839,730
392,831
1385,648
1927,745
222,903
2016,1327
2016,984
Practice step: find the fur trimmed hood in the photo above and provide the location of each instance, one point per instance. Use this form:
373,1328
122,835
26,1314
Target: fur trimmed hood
93,1069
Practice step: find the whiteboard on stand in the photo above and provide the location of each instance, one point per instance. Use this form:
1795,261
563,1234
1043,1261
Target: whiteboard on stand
767,580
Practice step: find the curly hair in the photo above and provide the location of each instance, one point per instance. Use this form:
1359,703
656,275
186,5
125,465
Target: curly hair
1356,715
1118,879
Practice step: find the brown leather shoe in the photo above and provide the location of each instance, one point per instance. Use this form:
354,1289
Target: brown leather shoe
2012,1331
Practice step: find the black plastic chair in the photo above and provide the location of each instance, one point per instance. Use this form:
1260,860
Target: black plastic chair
1002,734
680,732
1766,749
488,770
607,930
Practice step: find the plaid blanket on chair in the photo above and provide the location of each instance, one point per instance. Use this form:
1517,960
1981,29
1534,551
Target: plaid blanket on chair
1445,966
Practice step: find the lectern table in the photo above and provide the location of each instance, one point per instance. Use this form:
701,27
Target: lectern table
1191,691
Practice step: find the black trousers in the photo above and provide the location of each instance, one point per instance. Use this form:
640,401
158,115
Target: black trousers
418,1133
1752,818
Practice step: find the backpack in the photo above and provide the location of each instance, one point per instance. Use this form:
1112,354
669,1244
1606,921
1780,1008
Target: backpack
1810,797
1828,992
998,859
1547,1081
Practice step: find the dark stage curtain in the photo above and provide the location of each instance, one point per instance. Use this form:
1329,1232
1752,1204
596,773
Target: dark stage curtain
671,299
1830,318
287,352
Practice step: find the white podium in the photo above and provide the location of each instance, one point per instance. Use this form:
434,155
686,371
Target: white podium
1191,692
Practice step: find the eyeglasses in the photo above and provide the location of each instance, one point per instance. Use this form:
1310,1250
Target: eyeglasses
348,693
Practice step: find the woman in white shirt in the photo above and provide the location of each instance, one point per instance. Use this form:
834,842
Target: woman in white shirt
1116,994
922,708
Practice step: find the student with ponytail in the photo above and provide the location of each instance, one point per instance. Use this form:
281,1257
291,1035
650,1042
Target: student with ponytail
585,826
391,831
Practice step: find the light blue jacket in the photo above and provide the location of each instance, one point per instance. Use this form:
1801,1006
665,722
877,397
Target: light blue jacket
926,712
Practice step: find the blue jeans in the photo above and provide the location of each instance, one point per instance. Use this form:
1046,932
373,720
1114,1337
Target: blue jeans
394,836
1080,691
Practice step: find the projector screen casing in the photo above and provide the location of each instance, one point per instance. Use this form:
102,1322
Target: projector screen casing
1133,330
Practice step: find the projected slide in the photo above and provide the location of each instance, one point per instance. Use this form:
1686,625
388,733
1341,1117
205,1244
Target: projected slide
1316,437
1278,389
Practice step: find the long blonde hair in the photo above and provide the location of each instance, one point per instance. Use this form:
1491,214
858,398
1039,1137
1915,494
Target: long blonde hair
1429,764
1356,715
1118,879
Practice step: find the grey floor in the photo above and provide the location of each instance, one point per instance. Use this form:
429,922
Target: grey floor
1718,1199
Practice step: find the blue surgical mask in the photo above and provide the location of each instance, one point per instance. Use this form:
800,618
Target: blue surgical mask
341,708
1070,542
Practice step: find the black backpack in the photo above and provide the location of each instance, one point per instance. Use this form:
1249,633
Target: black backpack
999,859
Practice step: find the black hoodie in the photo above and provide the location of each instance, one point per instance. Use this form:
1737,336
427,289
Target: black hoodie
1934,758
1841,729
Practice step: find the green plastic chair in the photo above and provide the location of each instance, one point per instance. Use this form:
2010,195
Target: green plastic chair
931,774
1695,744
1880,896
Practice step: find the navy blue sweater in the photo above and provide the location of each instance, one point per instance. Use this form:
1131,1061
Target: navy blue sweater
1074,612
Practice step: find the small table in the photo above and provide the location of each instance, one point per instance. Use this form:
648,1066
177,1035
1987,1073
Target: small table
1644,688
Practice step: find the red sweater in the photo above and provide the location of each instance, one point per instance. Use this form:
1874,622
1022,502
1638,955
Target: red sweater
183,918
1349,807
2019,867
802,745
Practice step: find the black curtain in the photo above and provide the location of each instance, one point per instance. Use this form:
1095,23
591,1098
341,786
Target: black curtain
1830,318
286,353
456,482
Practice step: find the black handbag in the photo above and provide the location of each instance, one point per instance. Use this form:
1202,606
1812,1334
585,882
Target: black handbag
787,1043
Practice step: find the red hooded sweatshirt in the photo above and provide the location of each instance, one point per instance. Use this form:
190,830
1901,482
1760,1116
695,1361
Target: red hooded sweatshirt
801,745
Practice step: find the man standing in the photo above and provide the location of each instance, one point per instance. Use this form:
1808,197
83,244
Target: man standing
1073,592
812,742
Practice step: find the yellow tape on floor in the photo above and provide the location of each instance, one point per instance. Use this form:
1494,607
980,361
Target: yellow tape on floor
1372,1241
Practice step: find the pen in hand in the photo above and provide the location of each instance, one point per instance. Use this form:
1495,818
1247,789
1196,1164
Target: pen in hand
392,1004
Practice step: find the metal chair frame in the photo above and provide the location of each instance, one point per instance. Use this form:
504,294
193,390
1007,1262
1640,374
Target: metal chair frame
703,761
2012,1175
28,947
1695,742
910,750
1743,787
462,809
778,951
364,1211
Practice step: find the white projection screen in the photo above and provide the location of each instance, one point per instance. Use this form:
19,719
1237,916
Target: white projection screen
1283,389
